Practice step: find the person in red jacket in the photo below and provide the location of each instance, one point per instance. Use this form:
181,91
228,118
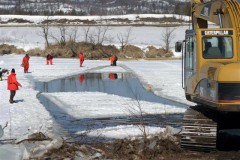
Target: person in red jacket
25,63
12,85
81,58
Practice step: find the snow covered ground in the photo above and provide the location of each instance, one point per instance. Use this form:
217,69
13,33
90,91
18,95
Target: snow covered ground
29,115
32,114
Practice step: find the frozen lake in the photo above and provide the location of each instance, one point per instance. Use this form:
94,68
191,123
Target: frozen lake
120,84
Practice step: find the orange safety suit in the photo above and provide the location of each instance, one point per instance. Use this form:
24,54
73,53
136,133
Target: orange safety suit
112,58
81,58
25,63
12,82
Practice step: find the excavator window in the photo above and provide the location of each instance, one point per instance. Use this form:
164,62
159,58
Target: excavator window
217,47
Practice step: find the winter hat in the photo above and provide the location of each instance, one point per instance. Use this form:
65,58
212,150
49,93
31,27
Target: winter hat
13,70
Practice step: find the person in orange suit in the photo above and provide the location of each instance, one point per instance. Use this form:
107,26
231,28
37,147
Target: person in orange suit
112,58
81,58
25,63
12,85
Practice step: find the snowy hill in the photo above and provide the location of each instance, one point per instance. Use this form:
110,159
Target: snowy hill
90,7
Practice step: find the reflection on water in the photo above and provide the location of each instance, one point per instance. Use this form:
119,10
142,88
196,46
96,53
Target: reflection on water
121,84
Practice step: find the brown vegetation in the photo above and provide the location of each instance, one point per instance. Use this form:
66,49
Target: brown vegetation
161,20
71,49
8,49
154,148
90,50
133,52
142,148
154,52
18,20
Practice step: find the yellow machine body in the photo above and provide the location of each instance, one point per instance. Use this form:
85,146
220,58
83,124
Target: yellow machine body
212,55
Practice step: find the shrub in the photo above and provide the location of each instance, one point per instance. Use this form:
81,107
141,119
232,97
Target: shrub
19,20
8,49
133,52
90,51
154,52
35,52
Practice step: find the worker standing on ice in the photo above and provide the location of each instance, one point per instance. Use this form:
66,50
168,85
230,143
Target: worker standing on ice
12,85
81,58
115,60
112,59
49,59
25,63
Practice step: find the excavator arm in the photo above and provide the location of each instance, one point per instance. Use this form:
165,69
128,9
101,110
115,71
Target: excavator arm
224,13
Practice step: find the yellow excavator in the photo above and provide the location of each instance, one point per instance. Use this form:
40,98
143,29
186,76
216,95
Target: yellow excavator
211,72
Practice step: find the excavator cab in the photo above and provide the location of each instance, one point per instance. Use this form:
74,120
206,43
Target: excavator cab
207,63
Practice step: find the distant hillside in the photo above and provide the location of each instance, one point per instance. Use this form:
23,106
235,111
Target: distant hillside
93,7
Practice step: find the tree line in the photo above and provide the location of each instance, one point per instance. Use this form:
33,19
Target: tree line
89,7
94,37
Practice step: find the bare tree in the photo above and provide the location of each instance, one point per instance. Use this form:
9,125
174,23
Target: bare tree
99,36
45,31
72,40
167,38
66,37
63,35
73,34
138,113
124,39
86,31
62,30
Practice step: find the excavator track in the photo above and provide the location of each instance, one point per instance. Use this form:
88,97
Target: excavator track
199,131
